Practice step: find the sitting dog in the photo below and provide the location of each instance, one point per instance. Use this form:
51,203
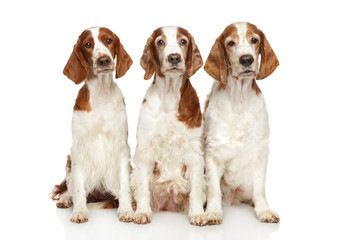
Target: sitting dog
236,121
98,167
169,165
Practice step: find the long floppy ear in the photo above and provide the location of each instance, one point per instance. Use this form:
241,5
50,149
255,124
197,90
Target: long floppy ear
147,59
269,61
124,61
74,68
216,64
194,61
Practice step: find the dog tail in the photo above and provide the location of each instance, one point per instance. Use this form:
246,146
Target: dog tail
58,190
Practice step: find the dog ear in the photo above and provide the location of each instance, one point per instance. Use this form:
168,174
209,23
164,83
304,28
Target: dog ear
124,61
269,61
147,61
74,68
194,61
216,64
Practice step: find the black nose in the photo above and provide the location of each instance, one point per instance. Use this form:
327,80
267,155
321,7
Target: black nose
103,61
246,60
174,58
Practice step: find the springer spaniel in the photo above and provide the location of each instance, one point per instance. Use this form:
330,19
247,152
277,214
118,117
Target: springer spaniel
169,164
236,121
98,166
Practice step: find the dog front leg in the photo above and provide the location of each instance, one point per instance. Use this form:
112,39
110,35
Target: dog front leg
80,211
197,195
214,173
264,213
125,212
140,181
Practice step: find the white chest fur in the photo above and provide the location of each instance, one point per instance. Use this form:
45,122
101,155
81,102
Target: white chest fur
159,129
100,135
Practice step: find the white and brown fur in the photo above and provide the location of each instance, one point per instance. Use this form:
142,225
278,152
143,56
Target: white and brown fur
169,165
236,121
98,167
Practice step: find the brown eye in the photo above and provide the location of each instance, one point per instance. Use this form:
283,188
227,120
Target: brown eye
183,42
88,45
254,40
108,41
230,44
160,43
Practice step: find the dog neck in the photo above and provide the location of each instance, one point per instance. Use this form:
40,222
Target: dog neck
101,88
168,90
240,92
169,84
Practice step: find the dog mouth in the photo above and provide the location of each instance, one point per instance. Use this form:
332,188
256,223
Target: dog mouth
105,70
247,72
174,69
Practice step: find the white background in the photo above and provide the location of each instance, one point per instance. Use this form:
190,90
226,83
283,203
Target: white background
36,100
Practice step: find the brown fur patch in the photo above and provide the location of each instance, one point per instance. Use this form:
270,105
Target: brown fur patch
189,106
68,165
183,171
82,102
150,61
124,61
156,172
79,65
191,52
217,64
144,101
256,87
269,61
58,190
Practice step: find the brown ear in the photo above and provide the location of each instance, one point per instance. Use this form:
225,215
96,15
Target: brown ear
269,61
124,61
216,64
74,68
147,59
194,61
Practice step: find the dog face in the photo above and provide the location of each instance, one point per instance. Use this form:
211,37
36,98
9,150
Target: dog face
242,46
170,51
236,53
95,53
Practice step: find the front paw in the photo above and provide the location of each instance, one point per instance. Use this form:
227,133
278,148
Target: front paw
198,219
268,216
214,218
79,217
142,218
125,215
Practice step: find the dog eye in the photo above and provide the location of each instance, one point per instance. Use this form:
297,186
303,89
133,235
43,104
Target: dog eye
88,45
160,43
108,41
183,42
230,44
254,40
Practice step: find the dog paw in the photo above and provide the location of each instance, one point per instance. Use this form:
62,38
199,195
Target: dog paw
214,218
142,218
79,217
64,203
268,216
125,216
198,220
